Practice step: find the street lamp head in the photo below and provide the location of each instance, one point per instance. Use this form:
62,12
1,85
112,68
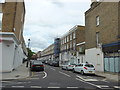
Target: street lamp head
28,39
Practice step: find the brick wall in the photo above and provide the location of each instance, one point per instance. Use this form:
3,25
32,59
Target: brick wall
108,28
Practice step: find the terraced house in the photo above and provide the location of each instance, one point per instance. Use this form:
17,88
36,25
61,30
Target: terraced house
102,23
73,45
48,53
13,49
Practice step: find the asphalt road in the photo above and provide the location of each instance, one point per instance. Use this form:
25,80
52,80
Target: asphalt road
54,77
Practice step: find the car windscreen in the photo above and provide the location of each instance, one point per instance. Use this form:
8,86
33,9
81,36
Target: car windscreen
37,62
89,65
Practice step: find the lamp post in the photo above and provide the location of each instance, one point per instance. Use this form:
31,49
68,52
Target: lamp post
28,53
28,43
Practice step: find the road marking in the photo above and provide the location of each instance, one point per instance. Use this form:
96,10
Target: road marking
87,82
65,74
45,75
72,87
79,77
102,86
53,87
98,86
35,86
18,86
21,82
5,81
53,69
86,79
117,87
90,79
32,78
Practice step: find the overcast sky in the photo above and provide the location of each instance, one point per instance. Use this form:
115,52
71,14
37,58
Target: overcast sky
47,19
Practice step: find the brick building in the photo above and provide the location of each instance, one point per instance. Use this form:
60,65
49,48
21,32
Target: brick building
73,45
13,49
102,23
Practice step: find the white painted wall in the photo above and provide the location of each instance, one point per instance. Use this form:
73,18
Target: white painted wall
19,55
95,56
11,57
7,56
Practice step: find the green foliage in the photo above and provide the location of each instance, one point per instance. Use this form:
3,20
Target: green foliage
30,53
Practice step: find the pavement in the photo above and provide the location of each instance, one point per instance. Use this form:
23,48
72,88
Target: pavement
109,75
19,73
23,72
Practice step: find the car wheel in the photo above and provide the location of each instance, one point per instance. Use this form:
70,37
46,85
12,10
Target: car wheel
82,72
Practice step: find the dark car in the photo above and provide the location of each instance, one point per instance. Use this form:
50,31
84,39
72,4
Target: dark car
55,63
37,66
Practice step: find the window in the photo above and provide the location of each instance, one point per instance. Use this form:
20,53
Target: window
97,37
70,36
74,43
97,20
67,46
74,35
1,15
67,38
63,41
70,44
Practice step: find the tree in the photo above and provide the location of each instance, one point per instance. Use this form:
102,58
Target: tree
30,53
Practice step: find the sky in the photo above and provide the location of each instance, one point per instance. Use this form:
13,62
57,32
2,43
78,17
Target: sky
47,19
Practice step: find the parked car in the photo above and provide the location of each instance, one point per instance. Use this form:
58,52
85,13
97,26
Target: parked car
36,66
68,66
84,68
55,63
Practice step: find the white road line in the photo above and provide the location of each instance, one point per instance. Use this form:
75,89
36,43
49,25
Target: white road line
86,79
72,87
53,87
87,82
32,78
98,86
17,86
90,79
35,86
102,86
45,75
117,87
53,69
5,81
79,77
65,74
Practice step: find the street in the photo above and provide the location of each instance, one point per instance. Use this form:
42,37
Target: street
54,77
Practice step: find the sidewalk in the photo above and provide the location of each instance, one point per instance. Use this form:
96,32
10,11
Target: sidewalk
109,75
19,73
